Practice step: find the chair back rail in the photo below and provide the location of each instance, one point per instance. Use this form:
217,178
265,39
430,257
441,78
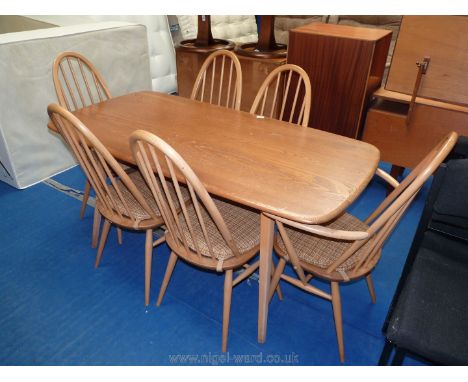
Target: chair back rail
110,182
157,161
219,80
292,106
77,82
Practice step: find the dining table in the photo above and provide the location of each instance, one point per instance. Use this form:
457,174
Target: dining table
298,173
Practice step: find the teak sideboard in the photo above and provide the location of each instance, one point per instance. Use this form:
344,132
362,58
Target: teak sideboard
345,65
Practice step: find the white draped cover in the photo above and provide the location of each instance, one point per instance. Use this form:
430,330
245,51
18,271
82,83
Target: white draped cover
29,152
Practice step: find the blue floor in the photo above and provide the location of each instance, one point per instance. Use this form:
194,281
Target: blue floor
56,309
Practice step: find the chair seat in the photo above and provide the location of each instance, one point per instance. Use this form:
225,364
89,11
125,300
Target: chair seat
243,224
322,252
132,203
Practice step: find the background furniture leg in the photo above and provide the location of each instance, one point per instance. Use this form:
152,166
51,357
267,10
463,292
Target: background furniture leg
386,352
398,357
395,172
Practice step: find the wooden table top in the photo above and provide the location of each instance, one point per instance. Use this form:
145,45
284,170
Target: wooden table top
298,173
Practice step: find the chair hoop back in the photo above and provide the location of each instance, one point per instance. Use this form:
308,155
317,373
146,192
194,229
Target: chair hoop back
77,82
367,244
219,80
281,103
110,182
384,219
157,160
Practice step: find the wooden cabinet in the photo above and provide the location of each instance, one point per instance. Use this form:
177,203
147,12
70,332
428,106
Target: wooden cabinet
254,72
405,146
408,118
345,65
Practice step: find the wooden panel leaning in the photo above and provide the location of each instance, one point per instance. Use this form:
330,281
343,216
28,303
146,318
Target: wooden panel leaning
219,82
443,39
78,84
425,95
346,248
280,103
122,199
209,233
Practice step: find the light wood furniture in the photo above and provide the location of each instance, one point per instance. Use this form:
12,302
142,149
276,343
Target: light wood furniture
210,233
348,249
78,84
422,100
219,80
123,199
254,72
298,173
345,65
281,104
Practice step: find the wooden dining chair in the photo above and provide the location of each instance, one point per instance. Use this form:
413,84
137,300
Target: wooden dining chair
209,233
122,199
79,84
219,80
285,95
347,248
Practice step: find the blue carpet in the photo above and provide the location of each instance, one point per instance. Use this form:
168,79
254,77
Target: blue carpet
56,309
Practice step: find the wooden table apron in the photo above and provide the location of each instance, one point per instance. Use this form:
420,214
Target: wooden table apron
299,173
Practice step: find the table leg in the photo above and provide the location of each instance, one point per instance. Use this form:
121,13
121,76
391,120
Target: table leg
267,232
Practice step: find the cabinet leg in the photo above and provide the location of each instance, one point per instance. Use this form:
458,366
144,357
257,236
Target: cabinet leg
396,172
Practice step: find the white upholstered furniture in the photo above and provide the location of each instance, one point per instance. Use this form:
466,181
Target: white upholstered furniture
160,46
238,28
29,153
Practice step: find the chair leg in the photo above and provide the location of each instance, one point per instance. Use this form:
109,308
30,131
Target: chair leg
102,243
119,235
226,307
87,188
398,357
167,276
336,302
387,350
148,264
276,278
278,289
370,285
96,226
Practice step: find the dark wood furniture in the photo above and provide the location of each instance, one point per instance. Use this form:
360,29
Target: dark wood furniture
205,43
345,65
266,47
256,64
257,162
418,107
